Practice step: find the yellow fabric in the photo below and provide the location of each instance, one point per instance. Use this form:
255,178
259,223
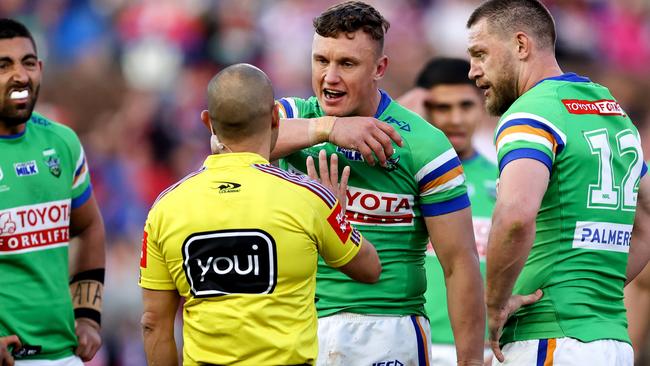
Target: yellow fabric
234,196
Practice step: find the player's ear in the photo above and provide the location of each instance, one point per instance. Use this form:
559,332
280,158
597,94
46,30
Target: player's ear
382,65
523,44
275,116
205,118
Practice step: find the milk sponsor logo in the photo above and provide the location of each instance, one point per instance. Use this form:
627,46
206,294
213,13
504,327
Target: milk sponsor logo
34,227
367,207
26,168
603,107
602,236
230,262
351,155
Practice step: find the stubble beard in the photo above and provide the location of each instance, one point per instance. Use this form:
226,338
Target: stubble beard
11,116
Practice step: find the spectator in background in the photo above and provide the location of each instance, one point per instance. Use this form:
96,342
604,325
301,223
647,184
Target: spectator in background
449,100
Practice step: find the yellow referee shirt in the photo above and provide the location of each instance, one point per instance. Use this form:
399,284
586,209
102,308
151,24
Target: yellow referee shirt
239,239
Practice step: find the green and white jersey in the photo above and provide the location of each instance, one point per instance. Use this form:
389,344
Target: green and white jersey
388,206
579,256
43,176
480,178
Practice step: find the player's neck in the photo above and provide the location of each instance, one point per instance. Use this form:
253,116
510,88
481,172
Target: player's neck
8,129
542,68
370,109
466,154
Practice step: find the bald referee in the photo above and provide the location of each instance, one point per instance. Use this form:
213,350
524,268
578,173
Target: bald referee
239,239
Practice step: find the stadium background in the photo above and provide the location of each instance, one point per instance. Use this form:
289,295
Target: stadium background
130,78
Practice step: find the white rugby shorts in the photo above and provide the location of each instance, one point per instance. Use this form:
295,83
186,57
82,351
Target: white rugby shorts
567,352
68,361
346,339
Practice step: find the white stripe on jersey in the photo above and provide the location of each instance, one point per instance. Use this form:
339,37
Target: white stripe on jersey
445,187
522,136
435,164
537,118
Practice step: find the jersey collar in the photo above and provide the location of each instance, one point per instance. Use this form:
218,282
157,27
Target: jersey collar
383,103
233,159
569,76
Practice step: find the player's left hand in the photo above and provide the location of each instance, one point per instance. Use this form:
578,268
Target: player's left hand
88,337
329,175
497,318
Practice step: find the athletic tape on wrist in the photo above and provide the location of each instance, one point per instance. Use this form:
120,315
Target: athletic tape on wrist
86,289
320,129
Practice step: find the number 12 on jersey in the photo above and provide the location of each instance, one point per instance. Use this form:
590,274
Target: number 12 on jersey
607,193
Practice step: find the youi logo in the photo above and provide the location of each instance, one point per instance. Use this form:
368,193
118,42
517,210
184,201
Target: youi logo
229,262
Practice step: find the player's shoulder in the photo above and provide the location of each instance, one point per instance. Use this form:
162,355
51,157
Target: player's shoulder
41,124
295,107
410,125
300,187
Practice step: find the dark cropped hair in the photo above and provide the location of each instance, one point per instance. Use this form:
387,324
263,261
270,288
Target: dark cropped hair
518,15
10,28
444,70
349,17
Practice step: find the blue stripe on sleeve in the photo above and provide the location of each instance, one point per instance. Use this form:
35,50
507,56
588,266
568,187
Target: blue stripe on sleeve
536,124
441,208
439,171
287,107
76,202
644,169
526,153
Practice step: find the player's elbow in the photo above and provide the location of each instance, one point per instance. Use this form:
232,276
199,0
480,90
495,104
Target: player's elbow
151,323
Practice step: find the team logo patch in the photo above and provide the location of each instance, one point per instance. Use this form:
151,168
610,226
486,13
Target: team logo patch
228,187
26,168
392,163
339,223
603,107
230,262
52,161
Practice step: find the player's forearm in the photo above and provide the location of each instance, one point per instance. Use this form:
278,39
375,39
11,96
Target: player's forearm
467,310
510,241
640,243
298,133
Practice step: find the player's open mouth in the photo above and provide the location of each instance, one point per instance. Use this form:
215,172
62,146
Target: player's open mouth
333,94
19,94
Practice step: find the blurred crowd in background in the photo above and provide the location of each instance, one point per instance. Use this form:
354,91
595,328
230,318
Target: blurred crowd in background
130,78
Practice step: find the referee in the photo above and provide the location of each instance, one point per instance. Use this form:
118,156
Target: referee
239,240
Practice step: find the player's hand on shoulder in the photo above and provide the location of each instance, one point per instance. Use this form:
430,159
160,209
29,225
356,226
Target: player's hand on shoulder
6,359
416,100
370,136
329,175
88,337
